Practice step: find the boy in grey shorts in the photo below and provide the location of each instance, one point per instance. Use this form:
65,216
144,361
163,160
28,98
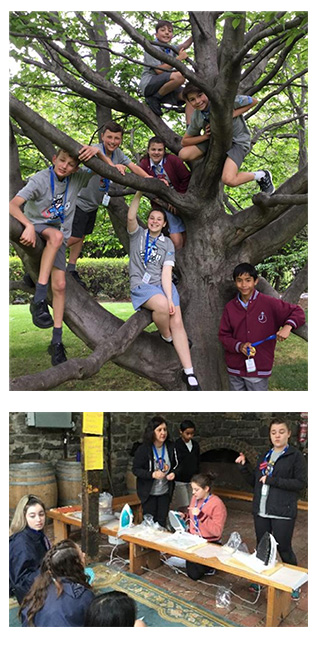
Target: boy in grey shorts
195,141
163,84
50,200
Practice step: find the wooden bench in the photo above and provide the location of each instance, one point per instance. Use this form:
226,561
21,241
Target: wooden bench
63,519
248,496
146,553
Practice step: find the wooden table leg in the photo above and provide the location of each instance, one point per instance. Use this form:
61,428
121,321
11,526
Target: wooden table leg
141,557
278,606
60,530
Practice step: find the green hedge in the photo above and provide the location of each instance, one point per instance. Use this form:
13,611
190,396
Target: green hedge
106,279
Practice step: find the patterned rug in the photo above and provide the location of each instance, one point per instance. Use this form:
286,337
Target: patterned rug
158,607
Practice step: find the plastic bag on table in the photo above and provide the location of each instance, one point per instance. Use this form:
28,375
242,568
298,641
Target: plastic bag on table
105,502
235,543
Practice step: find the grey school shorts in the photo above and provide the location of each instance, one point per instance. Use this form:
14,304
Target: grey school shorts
237,153
157,81
60,260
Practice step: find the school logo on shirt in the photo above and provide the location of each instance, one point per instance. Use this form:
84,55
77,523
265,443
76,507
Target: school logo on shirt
262,317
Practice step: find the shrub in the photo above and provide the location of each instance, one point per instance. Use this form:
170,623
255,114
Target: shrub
105,278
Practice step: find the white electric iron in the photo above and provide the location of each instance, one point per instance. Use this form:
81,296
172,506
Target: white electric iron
126,519
176,521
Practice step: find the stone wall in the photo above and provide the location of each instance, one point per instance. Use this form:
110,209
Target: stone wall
245,431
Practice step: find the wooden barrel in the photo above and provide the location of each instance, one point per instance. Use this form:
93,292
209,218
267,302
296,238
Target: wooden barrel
131,480
68,474
36,478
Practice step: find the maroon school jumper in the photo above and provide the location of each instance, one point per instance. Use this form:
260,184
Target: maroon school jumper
177,172
262,318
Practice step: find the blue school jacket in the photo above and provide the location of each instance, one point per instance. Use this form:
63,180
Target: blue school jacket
67,610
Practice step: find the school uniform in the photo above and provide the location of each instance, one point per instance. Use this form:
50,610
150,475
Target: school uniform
188,465
274,505
26,551
177,175
260,318
68,609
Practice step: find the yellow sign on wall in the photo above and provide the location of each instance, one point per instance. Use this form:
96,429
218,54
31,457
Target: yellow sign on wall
92,422
93,453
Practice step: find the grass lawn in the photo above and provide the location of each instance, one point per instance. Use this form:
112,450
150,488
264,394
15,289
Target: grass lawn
28,355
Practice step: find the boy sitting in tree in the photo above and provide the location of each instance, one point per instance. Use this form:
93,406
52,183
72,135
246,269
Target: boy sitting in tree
195,141
50,200
163,84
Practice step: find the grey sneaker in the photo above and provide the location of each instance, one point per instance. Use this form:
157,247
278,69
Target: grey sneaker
266,185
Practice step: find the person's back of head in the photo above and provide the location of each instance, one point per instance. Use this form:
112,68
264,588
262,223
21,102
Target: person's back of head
62,561
111,609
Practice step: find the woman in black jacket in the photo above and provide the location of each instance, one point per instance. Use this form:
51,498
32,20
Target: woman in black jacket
277,480
154,463
27,545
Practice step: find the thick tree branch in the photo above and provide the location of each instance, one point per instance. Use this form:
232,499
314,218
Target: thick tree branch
298,286
19,110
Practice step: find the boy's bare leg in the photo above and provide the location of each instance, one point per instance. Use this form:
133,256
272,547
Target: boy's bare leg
191,152
75,244
232,177
54,239
58,285
176,80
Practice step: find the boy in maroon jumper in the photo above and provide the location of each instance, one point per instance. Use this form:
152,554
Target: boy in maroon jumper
252,316
168,167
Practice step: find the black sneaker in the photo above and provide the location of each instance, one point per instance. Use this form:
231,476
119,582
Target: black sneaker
185,378
154,104
266,185
76,276
57,352
40,314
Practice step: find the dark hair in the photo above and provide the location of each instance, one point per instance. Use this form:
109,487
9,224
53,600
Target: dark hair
156,140
61,561
112,126
148,436
162,23
164,229
186,423
204,480
241,269
279,420
189,87
111,609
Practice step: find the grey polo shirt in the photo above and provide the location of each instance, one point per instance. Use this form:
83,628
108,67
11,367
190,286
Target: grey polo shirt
162,255
240,132
91,197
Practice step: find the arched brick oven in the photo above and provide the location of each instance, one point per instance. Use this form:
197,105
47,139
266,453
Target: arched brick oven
218,455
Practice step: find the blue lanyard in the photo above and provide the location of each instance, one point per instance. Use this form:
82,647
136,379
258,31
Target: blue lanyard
161,173
160,460
105,182
58,211
195,517
166,49
261,341
267,467
149,248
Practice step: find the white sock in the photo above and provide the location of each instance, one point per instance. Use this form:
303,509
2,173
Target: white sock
168,340
191,380
258,175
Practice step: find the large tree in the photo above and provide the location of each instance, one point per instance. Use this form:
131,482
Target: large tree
96,57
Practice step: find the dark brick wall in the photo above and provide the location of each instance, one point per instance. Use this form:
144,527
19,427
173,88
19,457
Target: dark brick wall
245,431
